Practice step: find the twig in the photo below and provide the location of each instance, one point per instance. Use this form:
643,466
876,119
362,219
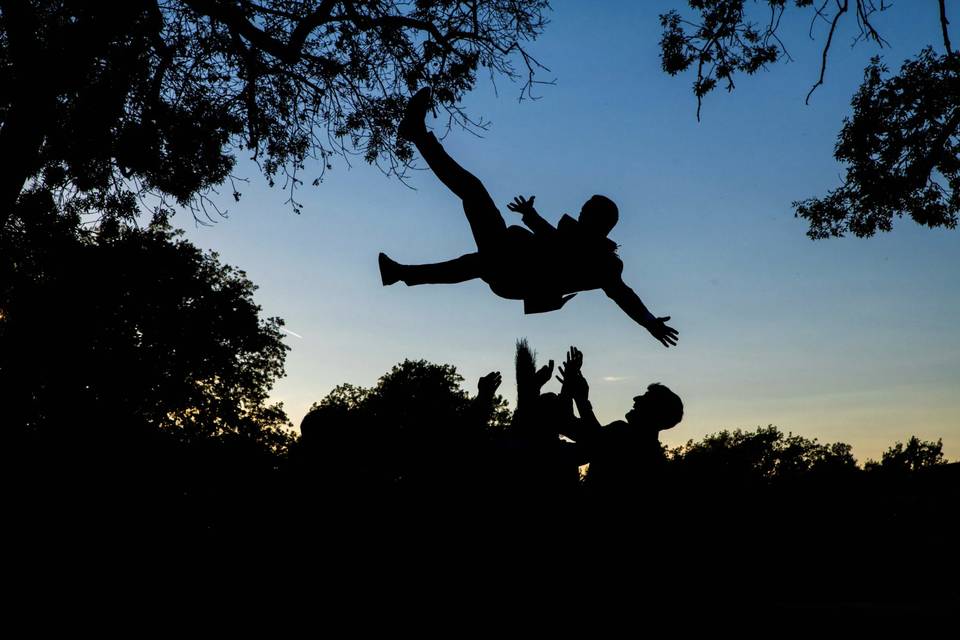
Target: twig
841,9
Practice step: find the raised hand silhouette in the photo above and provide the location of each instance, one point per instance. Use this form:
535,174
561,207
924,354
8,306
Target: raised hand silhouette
544,374
488,384
522,206
574,384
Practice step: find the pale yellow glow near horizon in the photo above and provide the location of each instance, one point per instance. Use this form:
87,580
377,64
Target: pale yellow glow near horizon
869,426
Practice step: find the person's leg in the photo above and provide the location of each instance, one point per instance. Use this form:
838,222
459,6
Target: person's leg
485,220
466,267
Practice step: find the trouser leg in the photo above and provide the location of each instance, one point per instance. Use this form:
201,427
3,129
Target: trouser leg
485,220
466,267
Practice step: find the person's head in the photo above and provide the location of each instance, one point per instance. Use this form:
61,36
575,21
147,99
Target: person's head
599,214
658,409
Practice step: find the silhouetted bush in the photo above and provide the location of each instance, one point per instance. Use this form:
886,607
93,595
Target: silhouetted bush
915,456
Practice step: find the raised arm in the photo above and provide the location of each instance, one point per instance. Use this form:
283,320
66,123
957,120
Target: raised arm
586,430
633,306
481,408
534,221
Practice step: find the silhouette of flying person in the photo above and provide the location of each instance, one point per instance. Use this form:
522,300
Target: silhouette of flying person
625,456
544,266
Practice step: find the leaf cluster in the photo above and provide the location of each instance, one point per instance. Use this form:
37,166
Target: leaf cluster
721,44
901,147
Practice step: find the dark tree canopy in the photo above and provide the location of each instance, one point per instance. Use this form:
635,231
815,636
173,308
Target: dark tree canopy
415,428
764,454
106,103
902,141
916,455
902,151
128,326
414,394
113,107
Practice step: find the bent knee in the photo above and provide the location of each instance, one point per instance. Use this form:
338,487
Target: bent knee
472,190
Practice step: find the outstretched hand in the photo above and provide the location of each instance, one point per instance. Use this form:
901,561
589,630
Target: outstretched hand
668,336
574,361
570,377
522,206
544,374
489,384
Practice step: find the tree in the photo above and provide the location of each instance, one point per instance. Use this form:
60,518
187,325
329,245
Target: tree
901,144
414,396
131,327
107,104
417,427
916,455
762,455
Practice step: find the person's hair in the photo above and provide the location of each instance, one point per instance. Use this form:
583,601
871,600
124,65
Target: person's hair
604,211
666,410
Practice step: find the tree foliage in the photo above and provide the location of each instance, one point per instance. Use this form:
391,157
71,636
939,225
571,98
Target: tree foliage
902,141
916,455
107,103
122,325
415,431
412,396
901,149
765,454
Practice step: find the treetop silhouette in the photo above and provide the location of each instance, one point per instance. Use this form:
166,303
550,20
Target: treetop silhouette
121,325
107,104
901,144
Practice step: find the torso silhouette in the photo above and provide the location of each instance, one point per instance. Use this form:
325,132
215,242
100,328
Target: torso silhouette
625,459
542,268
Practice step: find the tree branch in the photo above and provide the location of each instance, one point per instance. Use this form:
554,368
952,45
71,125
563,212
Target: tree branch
841,9
164,52
367,22
289,52
309,23
865,8
943,27
818,13
250,92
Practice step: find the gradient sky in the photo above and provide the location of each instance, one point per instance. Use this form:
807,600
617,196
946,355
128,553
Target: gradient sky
851,340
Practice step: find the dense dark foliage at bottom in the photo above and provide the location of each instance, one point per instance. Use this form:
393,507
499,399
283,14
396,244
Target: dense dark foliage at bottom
710,528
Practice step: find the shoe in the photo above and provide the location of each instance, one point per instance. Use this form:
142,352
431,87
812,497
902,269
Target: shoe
388,270
412,125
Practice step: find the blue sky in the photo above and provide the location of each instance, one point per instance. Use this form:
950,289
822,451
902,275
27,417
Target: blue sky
850,339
